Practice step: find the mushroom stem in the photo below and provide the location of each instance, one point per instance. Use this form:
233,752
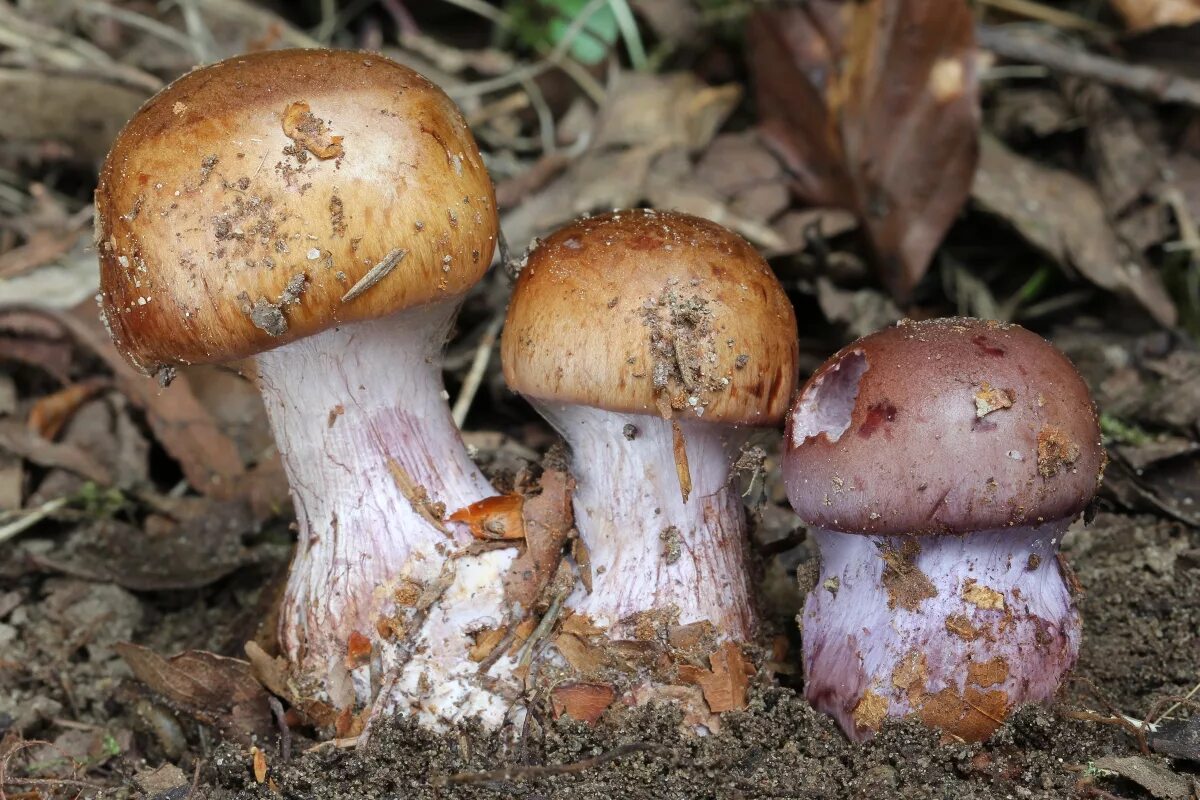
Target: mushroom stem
959,630
650,551
374,462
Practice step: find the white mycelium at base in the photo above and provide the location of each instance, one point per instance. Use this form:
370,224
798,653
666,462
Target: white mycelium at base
629,512
999,595
343,404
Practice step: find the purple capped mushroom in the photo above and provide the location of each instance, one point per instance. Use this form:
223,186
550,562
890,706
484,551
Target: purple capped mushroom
938,465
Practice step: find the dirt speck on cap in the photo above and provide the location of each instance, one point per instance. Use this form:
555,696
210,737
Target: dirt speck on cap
1055,450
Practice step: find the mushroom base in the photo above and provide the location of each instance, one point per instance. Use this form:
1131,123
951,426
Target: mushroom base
380,609
655,560
956,630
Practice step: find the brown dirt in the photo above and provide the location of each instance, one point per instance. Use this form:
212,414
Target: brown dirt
1141,646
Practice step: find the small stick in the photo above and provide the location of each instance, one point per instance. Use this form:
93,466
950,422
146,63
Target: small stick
375,274
474,377
1156,83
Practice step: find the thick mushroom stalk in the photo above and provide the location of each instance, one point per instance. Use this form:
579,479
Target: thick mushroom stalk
958,630
374,462
649,550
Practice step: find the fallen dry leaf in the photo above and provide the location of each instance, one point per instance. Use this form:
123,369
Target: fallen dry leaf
585,702
494,518
1156,778
209,460
273,674
547,522
18,440
217,691
725,685
1061,215
258,761
873,107
50,413
200,545
642,116
585,658
29,338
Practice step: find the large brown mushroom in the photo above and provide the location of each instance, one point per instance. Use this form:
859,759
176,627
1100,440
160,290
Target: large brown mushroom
938,465
325,212
654,342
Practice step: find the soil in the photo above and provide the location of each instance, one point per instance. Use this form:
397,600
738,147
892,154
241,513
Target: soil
63,680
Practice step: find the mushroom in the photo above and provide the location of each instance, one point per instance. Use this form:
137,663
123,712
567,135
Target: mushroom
938,465
654,342
324,212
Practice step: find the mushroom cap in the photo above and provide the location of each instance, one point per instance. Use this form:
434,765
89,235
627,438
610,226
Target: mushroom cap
944,426
634,310
243,202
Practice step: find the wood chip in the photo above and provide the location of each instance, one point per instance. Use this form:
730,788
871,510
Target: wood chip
375,274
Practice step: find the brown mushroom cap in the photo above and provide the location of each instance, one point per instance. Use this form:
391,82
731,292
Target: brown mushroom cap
243,202
945,426
628,310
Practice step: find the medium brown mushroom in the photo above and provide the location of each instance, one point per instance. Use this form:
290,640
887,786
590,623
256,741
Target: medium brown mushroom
938,465
325,212
654,342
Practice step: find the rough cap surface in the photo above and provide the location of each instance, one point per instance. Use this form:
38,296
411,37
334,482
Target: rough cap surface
640,310
243,202
944,426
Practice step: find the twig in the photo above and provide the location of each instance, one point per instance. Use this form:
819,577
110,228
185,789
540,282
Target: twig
199,34
429,595
1048,14
196,777
485,10
285,733
136,20
1185,700
1024,46
517,772
32,517
474,377
375,274
543,628
553,59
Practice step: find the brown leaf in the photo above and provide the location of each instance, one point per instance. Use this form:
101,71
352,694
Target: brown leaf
873,107
725,685
209,460
32,339
547,520
217,691
494,518
1061,215
1158,779
18,440
273,674
200,544
585,702
358,650
258,760
50,413
584,658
